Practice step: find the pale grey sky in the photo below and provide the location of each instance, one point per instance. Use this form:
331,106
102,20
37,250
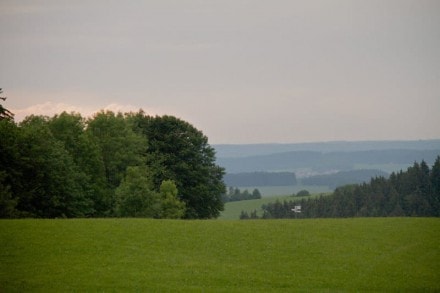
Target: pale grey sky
240,71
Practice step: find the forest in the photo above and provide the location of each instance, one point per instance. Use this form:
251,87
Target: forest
109,165
340,178
414,192
324,160
331,179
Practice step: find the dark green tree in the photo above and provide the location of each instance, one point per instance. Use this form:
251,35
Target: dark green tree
254,214
120,146
53,186
5,114
256,194
69,129
178,151
244,215
435,184
11,166
435,176
303,193
7,201
245,195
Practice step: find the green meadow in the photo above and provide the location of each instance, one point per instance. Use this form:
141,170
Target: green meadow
269,195
141,255
233,209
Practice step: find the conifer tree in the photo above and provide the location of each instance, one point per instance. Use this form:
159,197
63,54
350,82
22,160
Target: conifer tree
5,114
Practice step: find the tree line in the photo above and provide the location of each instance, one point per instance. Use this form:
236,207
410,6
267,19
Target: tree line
109,165
235,194
415,192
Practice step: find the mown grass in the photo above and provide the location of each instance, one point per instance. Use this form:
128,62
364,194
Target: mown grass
138,255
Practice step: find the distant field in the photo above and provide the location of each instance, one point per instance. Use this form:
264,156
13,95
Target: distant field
138,255
269,194
233,209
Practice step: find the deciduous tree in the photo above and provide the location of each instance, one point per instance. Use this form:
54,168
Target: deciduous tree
135,196
171,206
120,146
179,152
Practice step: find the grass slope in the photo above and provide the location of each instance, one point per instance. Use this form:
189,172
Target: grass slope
375,254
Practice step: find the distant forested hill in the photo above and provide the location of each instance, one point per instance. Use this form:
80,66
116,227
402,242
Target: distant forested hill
343,177
321,162
260,179
247,150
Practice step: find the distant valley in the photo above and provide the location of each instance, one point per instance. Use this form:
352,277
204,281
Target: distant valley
323,163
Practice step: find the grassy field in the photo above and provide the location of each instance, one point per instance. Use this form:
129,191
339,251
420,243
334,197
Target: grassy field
137,255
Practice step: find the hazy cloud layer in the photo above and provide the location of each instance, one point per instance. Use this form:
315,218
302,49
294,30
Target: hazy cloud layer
241,71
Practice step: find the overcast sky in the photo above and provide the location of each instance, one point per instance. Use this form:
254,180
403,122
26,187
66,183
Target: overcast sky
240,71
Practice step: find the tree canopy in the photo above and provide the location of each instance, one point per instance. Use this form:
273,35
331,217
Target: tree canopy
178,151
111,164
5,113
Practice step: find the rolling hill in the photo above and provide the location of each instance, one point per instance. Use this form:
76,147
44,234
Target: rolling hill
320,158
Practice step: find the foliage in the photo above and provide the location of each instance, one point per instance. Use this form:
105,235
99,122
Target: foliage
5,114
141,255
119,145
235,194
69,129
177,151
171,206
7,202
135,197
49,183
10,169
303,192
244,215
411,193
68,166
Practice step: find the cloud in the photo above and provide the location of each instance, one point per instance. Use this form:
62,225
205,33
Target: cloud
51,108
